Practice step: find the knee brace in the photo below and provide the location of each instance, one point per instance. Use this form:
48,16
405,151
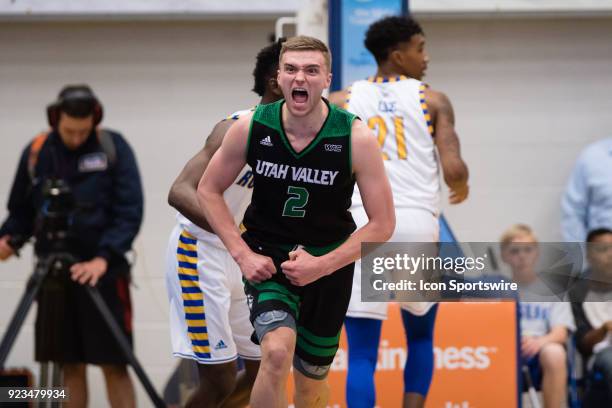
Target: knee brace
309,370
268,321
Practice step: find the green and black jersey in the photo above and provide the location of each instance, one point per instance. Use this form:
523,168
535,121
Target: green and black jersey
301,198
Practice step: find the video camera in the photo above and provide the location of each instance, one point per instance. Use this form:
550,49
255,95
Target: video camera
53,225
53,228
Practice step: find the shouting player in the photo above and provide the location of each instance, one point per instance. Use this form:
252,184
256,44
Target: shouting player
298,250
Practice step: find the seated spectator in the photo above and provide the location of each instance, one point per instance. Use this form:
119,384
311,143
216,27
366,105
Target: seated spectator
593,314
545,326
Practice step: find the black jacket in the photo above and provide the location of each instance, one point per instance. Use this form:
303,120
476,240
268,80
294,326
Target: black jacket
109,199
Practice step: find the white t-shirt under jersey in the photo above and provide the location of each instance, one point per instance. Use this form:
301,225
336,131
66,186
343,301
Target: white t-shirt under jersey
396,111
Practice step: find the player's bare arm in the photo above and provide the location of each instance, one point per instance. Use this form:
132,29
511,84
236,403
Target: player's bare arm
338,98
454,168
220,173
371,177
183,193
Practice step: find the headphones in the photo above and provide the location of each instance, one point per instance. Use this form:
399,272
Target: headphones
71,94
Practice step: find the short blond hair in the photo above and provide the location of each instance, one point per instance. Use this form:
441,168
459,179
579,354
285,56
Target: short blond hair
306,43
515,231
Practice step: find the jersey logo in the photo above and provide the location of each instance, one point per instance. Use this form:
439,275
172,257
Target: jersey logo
267,141
220,345
333,148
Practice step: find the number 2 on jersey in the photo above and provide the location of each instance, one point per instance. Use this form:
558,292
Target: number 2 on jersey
294,206
377,123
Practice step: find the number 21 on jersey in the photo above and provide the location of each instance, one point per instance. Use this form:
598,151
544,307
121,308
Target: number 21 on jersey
378,124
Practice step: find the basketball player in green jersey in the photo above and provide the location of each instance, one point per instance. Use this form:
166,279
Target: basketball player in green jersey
300,242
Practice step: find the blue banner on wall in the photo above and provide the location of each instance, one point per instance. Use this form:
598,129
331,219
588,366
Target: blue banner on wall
348,23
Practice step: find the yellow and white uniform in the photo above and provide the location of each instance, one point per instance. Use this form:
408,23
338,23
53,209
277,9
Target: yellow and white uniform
396,111
209,316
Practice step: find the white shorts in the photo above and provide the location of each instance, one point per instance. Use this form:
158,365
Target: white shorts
209,316
412,225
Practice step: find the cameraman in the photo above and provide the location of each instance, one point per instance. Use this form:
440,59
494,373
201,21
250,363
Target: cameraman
100,170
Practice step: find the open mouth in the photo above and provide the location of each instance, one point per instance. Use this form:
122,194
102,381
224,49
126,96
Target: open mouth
299,95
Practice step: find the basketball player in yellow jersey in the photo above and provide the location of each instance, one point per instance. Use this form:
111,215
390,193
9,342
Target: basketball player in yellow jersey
411,122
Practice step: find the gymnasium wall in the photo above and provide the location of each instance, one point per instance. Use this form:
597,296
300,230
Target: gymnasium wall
528,96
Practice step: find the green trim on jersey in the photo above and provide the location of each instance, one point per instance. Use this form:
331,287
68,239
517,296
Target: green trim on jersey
350,147
248,143
339,125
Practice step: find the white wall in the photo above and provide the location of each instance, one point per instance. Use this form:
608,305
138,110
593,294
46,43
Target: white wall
528,95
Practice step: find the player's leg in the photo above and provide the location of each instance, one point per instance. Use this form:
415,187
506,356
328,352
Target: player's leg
309,392
244,384
418,370
119,387
217,382
199,306
553,362
277,348
274,307
363,324
75,380
322,313
418,226
363,337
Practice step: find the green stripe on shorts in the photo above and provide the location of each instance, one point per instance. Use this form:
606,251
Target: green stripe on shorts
316,351
263,296
318,340
275,287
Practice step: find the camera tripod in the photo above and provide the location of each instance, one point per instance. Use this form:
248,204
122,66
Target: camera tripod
54,264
